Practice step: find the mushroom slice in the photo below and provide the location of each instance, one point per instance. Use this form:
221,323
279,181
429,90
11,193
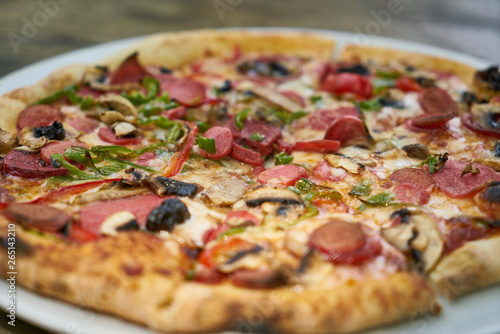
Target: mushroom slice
27,138
346,163
263,195
416,151
487,83
226,192
111,116
108,194
488,200
124,129
118,103
270,95
486,115
7,141
119,221
26,149
419,236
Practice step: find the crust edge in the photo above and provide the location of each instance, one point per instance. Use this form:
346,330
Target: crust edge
470,267
385,55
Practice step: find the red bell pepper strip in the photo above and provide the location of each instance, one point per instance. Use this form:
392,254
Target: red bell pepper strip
180,156
74,189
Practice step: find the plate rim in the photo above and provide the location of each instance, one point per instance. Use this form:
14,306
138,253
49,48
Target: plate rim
100,51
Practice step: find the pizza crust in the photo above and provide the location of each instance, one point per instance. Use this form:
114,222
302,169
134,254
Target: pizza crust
470,267
423,61
295,309
12,103
180,48
129,275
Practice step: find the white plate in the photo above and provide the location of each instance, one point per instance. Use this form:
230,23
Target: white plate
478,312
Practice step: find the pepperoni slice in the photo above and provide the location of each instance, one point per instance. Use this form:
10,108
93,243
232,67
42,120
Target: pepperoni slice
431,121
211,234
294,96
342,83
242,154
262,278
320,146
283,175
83,124
452,184
321,119
29,166
41,217
411,193
324,171
58,147
407,85
409,126
175,113
87,91
415,176
462,229
346,130
270,134
343,243
223,142
93,215
245,215
435,100
38,115
185,91
130,71
108,135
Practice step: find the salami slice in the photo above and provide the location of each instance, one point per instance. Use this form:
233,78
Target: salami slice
415,176
269,133
283,175
130,71
183,90
58,147
320,146
452,184
175,113
29,166
243,154
321,119
346,130
435,100
343,243
38,115
411,193
83,124
223,142
41,217
93,215
108,135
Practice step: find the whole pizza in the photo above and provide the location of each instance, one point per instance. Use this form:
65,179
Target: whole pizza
234,180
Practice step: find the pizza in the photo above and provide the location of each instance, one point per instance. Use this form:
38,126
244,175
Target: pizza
233,180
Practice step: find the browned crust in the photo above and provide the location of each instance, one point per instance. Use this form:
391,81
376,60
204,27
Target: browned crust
348,307
12,103
172,50
470,267
386,55
129,275
137,277
179,48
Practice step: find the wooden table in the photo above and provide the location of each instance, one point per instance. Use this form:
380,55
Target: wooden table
34,30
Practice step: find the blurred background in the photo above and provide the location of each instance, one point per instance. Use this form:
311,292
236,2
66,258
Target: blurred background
38,29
